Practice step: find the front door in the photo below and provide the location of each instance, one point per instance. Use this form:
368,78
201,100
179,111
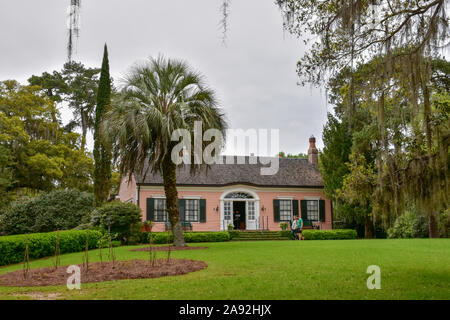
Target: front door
239,215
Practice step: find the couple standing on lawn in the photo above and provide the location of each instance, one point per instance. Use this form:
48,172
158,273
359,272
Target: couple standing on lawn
296,228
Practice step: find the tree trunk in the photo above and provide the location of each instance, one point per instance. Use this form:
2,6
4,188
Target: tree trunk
433,227
84,128
369,229
170,188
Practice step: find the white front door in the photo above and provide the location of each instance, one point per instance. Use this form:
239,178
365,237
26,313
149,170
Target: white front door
251,208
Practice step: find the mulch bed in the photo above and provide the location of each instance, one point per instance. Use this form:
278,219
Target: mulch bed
172,248
103,271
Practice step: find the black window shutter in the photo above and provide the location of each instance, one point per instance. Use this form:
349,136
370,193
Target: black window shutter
202,210
304,208
295,207
322,210
276,210
182,206
150,209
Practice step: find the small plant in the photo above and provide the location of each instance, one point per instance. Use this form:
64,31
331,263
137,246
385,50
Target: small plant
150,240
148,225
283,225
102,243
112,256
168,245
26,261
57,251
86,254
230,227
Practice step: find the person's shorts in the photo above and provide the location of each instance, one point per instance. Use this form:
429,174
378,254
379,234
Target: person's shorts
298,230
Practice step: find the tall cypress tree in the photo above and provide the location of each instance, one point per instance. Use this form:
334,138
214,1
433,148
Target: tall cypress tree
102,152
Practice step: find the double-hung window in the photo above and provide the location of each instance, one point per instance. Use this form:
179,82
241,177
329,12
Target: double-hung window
160,210
192,210
285,210
312,210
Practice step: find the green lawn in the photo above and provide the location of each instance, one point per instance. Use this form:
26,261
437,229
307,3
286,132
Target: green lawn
410,269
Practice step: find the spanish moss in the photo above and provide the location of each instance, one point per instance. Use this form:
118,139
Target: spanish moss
73,25
399,40
225,10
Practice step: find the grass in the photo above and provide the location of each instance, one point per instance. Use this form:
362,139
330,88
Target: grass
410,269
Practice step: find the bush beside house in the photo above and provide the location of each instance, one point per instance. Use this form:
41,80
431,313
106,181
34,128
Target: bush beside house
56,210
123,219
12,248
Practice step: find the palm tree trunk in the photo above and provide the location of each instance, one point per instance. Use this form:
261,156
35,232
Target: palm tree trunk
170,188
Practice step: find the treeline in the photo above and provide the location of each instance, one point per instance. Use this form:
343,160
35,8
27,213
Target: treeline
377,169
38,153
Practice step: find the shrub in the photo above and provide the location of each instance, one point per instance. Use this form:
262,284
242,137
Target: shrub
56,210
335,234
123,218
409,225
12,248
233,234
286,234
161,237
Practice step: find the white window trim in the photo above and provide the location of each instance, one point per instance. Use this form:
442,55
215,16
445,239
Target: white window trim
285,198
192,197
158,197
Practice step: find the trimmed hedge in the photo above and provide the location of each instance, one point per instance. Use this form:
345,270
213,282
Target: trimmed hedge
161,237
233,234
335,234
12,248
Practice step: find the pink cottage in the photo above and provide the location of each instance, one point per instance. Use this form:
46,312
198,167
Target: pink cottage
237,196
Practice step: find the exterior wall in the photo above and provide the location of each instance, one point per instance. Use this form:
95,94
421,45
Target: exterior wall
213,196
212,201
267,201
127,190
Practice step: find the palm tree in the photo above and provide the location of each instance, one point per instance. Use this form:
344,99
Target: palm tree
157,97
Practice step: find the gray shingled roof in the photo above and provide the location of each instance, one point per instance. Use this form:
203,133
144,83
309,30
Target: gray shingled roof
292,172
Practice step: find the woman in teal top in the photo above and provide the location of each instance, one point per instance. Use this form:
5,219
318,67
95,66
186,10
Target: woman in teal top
299,228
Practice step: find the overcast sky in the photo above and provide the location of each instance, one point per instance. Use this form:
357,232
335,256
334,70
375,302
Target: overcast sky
254,74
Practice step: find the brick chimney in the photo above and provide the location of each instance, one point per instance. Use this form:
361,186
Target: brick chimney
313,153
